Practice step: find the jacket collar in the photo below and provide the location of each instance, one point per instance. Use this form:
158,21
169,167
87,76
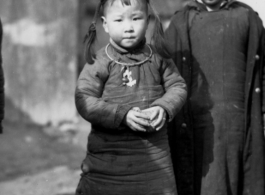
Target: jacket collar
227,4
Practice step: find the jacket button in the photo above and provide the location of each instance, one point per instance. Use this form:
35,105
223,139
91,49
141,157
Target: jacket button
257,57
184,125
257,90
184,59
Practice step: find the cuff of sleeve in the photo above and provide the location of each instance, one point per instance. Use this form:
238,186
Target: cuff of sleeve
122,110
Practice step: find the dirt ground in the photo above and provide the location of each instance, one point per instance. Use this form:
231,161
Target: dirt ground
39,160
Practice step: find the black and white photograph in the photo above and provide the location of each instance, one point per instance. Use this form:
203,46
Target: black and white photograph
132,97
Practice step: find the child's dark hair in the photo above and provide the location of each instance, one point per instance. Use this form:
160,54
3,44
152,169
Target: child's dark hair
90,37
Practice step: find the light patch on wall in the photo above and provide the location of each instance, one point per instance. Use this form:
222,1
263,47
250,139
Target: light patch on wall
29,33
258,6
56,112
72,65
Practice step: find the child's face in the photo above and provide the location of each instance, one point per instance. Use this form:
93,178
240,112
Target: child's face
126,24
213,4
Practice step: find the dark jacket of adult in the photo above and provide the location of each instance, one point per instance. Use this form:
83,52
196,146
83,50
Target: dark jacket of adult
252,161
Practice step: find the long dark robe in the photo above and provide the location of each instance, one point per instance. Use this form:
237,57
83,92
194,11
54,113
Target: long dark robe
217,97
212,127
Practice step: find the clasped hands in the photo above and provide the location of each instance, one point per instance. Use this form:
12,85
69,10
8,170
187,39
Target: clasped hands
152,118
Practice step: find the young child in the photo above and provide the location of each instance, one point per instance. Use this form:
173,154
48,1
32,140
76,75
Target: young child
128,92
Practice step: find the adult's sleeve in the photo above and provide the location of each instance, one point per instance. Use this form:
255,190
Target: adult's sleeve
2,95
172,42
175,87
263,78
263,73
88,99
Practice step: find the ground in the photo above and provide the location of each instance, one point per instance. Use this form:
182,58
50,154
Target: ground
38,160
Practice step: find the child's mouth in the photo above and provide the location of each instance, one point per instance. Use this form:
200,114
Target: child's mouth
129,38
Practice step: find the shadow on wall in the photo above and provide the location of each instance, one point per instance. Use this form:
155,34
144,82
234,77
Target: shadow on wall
14,114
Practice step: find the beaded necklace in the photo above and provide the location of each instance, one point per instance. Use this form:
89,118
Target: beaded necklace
127,74
129,64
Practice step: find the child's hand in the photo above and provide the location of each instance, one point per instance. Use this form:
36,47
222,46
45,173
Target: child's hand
136,120
157,116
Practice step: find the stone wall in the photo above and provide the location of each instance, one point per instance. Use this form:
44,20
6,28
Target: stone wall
39,59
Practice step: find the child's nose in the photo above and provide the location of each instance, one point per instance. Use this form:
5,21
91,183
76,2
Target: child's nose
128,27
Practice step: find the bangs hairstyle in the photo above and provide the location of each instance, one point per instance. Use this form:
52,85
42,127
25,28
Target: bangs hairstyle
91,35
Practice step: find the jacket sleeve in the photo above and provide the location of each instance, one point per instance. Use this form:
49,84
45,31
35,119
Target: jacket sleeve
263,74
177,41
88,99
175,87
2,95
172,40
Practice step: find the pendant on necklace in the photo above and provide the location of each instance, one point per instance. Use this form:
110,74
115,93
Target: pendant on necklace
127,78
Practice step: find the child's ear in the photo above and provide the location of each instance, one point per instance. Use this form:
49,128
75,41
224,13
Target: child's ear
104,24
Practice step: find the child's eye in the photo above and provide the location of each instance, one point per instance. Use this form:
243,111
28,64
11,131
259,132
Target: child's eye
118,20
136,19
